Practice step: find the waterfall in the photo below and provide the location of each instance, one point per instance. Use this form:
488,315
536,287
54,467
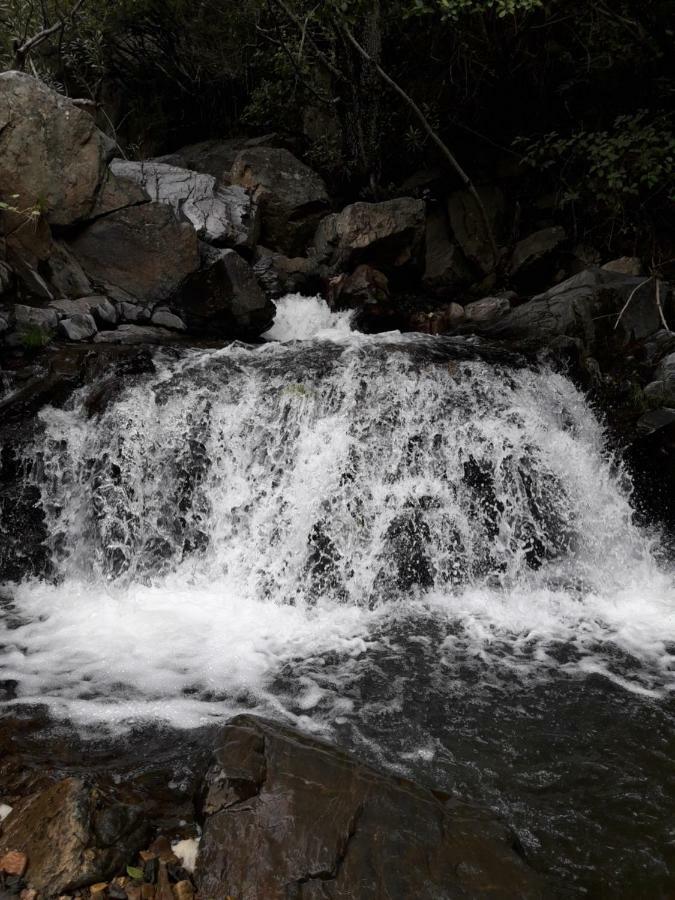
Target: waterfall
256,527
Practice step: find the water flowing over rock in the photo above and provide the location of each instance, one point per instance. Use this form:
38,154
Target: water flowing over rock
348,830
51,153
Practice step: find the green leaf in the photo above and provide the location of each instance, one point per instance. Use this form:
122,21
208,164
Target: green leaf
135,873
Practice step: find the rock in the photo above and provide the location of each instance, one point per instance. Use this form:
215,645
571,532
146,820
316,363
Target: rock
293,197
183,890
662,388
279,274
133,312
135,334
487,310
468,227
80,327
655,420
625,265
213,157
164,317
6,279
142,250
290,816
13,863
118,193
445,269
43,318
225,298
73,836
99,890
438,321
97,306
386,235
225,216
51,153
65,274
535,248
364,285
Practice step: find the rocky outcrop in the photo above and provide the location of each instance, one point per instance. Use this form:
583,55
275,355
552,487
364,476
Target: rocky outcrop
72,836
52,156
289,816
142,252
225,216
292,195
279,274
224,296
386,235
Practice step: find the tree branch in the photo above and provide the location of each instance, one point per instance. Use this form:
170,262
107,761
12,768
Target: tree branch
469,185
22,51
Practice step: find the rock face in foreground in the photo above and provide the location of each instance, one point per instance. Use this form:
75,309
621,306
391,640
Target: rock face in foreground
289,816
51,153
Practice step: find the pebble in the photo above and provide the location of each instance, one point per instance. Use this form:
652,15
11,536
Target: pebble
99,889
14,863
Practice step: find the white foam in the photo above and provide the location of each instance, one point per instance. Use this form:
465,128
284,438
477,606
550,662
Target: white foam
301,318
318,474
187,851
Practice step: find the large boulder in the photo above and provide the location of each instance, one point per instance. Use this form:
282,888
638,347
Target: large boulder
213,157
225,216
534,256
468,226
142,251
289,816
386,235
51,153
73,836
445,269
292,195
279,274
224,297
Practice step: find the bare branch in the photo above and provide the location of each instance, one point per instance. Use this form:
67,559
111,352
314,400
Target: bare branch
22,51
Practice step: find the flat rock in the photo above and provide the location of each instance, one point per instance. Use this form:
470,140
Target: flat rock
135,334
98,306
80,327
51,152
290,816
487,310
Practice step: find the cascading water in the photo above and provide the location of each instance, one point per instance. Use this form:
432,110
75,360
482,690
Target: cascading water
386,538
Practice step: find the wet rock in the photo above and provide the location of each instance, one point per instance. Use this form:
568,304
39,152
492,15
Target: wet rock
80,327
625,265
279,274
445,269
487,310
144,250
533,250
265,834
365,285
225,298
135,334
43,317
225,216
166,319
51,153
99,307
386,235
293,197
468,227
60,830
655,420
438,321
134,312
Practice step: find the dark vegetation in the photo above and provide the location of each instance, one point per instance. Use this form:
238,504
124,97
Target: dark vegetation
570,100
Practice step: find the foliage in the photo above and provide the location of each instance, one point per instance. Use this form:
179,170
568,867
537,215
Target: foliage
33,337
454,9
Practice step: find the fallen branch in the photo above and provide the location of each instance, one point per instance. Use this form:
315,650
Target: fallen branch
468,184
658,304
630,297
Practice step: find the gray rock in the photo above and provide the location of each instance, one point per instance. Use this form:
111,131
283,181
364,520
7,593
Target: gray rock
4,324
534,248
42,317
655,420
118,193
279,274
226,216
384,235
167,319
51,152
142,250
133,312
445,269
80,327
6,278
213,157
225,298
135,334
625,265
99,307
65,274
487,310
468,227
293,197
663,386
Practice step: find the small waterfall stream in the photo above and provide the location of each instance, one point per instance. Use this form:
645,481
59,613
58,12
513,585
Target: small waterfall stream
426,554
